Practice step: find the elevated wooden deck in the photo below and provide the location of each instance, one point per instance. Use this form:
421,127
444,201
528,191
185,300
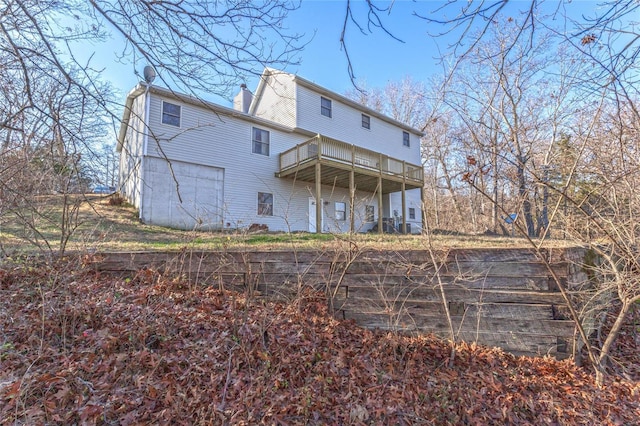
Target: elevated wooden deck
338,159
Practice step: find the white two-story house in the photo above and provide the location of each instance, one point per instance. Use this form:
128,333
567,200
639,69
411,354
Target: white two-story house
294,156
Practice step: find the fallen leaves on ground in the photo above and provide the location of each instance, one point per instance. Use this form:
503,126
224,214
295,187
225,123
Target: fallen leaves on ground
77,347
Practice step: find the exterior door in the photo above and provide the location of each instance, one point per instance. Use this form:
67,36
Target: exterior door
312,215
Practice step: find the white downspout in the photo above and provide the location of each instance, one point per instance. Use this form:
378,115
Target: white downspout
145,142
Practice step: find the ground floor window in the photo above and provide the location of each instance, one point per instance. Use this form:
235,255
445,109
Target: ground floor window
265,204
341,211
369,214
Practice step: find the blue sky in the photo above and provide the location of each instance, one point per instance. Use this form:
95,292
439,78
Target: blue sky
376,57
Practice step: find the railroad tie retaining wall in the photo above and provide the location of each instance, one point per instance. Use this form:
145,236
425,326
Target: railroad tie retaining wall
496,297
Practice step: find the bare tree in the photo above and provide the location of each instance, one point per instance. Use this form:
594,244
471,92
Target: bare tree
203,45
406,101
563,133
500,96
54,107
443,158
44,154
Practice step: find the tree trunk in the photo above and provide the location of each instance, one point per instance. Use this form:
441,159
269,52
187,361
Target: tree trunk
611,337
526,204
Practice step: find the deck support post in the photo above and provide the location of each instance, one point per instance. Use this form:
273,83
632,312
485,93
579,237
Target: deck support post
380,230
404,210
423,205
352,199
404,199
318,198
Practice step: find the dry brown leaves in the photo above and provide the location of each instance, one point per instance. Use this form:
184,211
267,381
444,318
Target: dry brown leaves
80,348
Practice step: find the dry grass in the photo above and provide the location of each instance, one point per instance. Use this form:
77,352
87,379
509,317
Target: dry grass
105,227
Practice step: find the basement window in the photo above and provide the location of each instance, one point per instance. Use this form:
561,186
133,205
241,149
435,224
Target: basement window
171,114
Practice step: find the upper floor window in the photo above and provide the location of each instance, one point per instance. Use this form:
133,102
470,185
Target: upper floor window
366,121
171,114
325,107
412,213
405,139
265,204
260,141
341,211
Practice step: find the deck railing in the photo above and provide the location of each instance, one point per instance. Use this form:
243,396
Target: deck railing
322,147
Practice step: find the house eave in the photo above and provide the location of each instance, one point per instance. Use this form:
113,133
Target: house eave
126,115
219,109
201,103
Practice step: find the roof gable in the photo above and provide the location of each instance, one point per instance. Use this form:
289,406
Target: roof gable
268,75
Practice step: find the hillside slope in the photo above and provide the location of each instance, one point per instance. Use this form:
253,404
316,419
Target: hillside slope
78,347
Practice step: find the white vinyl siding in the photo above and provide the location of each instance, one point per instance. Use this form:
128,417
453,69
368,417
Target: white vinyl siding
278,102
413,203
345,126
131,157
224,141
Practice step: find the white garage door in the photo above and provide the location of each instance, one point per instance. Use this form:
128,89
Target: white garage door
189,198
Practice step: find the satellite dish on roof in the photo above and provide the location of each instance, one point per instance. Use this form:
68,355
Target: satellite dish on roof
149,74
